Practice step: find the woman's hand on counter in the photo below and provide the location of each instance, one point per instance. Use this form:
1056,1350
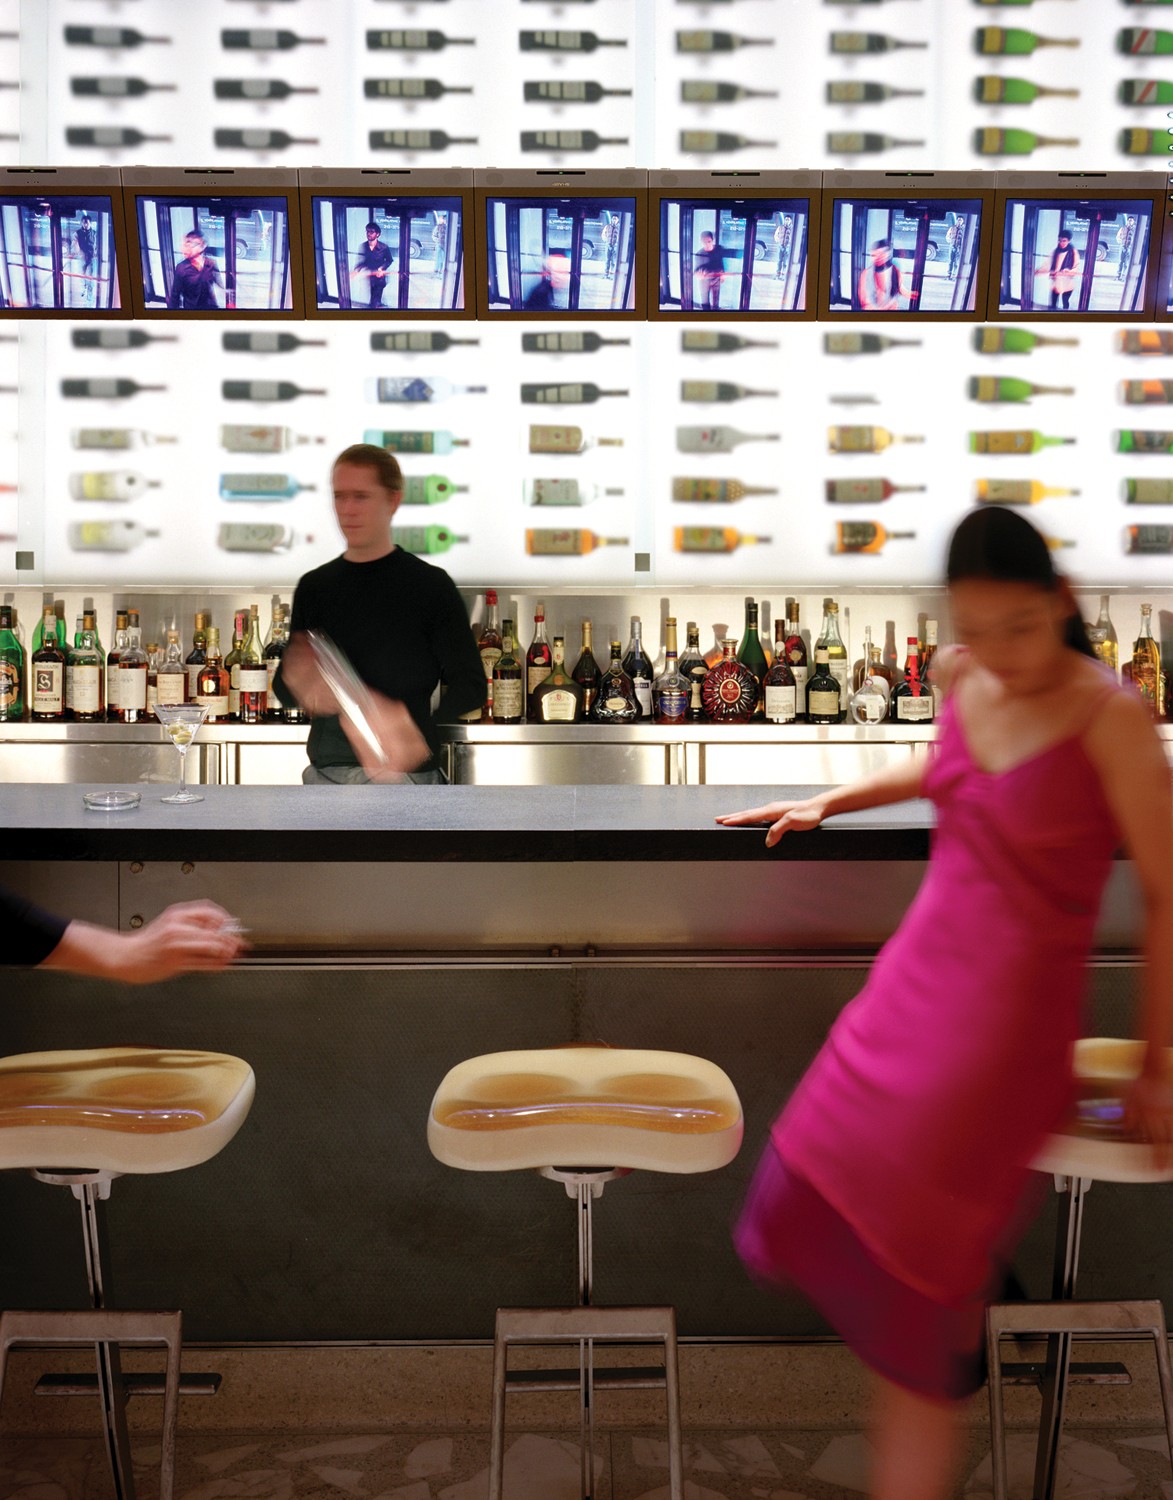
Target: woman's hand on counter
403,746
189,936
783,817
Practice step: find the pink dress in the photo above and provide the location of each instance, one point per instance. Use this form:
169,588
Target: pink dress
906,1148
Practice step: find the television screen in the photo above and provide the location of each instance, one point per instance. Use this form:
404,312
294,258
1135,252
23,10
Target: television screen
552,255
733,254
1074,256
213,253
387,254
58,253
898,255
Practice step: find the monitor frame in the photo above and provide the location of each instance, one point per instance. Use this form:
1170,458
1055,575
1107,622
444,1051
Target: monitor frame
564,183
732,186
1162,312
75,182
906,187
400,182
218,182
1079,187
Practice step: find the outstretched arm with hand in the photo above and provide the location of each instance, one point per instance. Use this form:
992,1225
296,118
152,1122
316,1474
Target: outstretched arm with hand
192,935
898,784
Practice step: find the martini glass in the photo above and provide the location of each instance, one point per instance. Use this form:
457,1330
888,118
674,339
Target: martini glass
181,721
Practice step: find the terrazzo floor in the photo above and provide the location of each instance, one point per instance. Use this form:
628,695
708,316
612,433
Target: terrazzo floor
772,1465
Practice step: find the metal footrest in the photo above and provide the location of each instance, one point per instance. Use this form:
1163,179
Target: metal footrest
133,1385
1077,1374
611,1378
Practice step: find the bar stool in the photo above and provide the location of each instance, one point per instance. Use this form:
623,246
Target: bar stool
80,1119
1092,1149
583,1116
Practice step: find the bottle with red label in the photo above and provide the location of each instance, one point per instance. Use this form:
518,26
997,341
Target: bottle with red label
730,691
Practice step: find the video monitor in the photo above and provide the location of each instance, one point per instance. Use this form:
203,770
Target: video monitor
1082,245
562,242
387,243
62,243
733,243
1165,279
906,244
211,244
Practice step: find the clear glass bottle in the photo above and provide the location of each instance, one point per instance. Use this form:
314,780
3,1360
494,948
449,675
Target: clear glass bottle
508,682
869,702
751,655
638,666
171,680
84,699
1103,637
670,691
1146,665
730,691
615,702
154,656
538,660
112,657
558,699
586,671
129,697
824,695
253,674
912,698
694,669
831,642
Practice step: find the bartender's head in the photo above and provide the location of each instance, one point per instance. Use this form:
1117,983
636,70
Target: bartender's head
368,486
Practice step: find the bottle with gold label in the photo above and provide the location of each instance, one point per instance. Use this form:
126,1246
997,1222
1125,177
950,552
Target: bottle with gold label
1015,442
212,682
671,690
992,339
714,539
1102,635
1146,665
779,693
730,691
128,689
508,681
825,696
992,88
717,491
1011,388
586,671
1017,491
1148,491
551,542
551,439
84,698
615,702
864,439
865,536
47,673
558,698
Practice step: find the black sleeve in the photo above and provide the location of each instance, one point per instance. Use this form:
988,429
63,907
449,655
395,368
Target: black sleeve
297,621
461,670
30,934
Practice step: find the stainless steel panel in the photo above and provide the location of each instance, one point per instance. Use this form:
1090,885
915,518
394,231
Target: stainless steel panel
742,764
105,761
569,764
266,765
75,888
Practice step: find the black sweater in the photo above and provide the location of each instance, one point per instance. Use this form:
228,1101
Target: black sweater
30,934
403,626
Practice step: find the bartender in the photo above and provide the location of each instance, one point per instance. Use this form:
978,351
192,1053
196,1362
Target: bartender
400,622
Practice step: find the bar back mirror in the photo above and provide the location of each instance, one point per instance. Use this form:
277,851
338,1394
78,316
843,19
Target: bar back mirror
62,243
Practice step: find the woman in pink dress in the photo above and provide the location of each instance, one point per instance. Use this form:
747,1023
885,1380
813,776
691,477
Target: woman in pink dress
897,1179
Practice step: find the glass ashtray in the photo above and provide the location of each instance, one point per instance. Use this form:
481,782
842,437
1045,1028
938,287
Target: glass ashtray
111,801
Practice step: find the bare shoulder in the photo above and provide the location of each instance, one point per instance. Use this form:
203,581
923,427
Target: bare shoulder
1121,737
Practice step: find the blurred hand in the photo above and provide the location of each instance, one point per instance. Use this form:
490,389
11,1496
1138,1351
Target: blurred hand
1148,1115
192,935
299,671
783,817
398,735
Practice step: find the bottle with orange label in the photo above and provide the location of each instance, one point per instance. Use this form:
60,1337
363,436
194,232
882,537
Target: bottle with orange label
714,539
865,536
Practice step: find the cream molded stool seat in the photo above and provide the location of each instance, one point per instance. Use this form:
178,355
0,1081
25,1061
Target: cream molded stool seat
1092,1149
583,1116
80,1119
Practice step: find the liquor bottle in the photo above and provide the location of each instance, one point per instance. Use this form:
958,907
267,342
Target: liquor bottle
1146,665
56,609
720,491
714,539
718,390
430,489
266,341
1148,491
671,690
694,669
570,342
992,140
198,654
705,142
1144,341
863,439
413,442
537,660
276,643
857,91
425,539
825,695
47,673
863,666
548,542
507,693
104,389
414,41
1003,41
117,338
912,698
1146,392
109,136
84,671
830,641
730,691
412,388
1011,388
1102,635
1139,142
261,486
11,669
866,491
638,666
1017,442
417,140
1017,491
265,39
257,88
705,91
851,43
991,88
566,440
113,37
1144,91
413,341
212,682
115,438
568,393
171,678
1133,441
869,702
255,536
1148,539
751,655
864,143
615,702
779,692
489,647
565,41
241,438
865,536
127,683
586,672
991,339
865,343
718,41
252,675
569,140
564,492
110,484
265,390
1143,41
718,439
232,663
558,698
710,341
410,88
255,138
928,672
107,536
796,659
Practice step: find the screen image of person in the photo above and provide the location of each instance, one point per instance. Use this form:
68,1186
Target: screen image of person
1075,257
560,254
57,253
197,278
733,255
895,256
401,624
388,253
214,254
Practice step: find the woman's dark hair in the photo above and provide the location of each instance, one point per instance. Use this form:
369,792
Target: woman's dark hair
999,546
385,465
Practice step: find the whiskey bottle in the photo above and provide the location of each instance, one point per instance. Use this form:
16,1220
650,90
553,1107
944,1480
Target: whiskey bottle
705,91
115,438
114,37
569,140
1017,491
567,393
912,699
730,692
47,673
670,691
991,88
1144,341
565,91
830,641
866,491
1017,442
1148,539
1004,41
825,695
265,39
565,41
1133,441
1146,665
252,675
537,660
779,692
564,492
1148,491
865,536
1143,41
718,390
109,137
240,438
751,655
410,88
694,669
84,699
232,663
1102,636
257,88
110,484
1144,91
415,388
1137,142
864,143
989,140
558,698
865,343
11,669
851,43
415,341
796,658
543,439
714,539
1146,392
991,339
550,542
721,491
863,439
718,439
586,672
198,654
212,682
706,142
105,389
508,697
417,140
117,338
425,539
171,678
718,41
266,341
399,40
256,139
857,91
265,390
107,536
413,442
568,342
638,666
709,341
1011,388
127,685
615,702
